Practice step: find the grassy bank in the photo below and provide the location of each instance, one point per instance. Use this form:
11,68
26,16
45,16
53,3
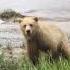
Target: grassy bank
25,64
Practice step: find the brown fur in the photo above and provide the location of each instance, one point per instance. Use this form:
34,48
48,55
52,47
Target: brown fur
44,37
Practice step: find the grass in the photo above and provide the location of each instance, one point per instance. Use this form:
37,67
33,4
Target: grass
25,64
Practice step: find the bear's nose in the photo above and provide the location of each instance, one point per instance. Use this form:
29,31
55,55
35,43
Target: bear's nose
28,31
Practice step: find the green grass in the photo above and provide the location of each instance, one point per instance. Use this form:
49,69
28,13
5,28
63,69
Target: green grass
25,64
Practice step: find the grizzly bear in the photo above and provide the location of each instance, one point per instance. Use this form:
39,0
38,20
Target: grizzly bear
43,37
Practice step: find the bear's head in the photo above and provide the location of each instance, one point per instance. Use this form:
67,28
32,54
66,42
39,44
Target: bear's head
29,26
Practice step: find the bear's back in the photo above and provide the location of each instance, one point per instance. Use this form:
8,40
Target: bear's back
51,32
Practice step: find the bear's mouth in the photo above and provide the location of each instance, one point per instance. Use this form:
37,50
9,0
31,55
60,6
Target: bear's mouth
28,35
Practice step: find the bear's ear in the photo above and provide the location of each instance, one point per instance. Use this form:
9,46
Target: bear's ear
36,19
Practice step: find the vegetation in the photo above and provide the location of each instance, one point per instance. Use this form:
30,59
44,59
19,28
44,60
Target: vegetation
9,14
25,64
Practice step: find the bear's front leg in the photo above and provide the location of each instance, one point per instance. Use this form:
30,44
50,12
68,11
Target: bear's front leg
34,57
33,53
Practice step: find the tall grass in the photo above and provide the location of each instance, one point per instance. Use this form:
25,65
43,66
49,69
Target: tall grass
25,64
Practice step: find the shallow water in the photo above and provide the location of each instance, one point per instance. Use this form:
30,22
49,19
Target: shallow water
11,35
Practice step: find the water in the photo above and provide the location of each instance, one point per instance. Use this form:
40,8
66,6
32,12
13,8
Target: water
51,9
11,40
57,10
11,35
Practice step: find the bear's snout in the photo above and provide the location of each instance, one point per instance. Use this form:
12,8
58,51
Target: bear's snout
28,31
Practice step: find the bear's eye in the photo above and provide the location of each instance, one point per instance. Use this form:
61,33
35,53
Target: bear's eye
24,26
31,25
